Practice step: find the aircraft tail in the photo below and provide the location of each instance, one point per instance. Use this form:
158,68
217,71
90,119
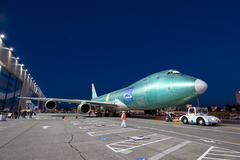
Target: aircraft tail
94,94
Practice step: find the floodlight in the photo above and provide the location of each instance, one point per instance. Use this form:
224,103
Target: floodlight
11,49
2,36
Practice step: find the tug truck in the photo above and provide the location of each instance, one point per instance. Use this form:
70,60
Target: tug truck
199,116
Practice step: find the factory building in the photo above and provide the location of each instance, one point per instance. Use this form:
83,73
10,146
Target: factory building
15,82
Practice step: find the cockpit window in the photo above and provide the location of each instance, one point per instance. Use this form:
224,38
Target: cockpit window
175,72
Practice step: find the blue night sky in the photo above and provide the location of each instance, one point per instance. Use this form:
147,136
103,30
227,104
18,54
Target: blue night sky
67,45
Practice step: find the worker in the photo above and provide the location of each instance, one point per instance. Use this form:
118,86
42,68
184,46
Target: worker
123,118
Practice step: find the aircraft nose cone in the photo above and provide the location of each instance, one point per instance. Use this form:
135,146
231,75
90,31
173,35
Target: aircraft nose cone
200,86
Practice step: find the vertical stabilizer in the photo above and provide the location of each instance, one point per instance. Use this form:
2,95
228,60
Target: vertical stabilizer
94,94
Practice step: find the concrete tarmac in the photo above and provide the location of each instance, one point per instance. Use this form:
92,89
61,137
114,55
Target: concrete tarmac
48,136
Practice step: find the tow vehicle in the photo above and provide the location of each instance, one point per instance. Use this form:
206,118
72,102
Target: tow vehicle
199,116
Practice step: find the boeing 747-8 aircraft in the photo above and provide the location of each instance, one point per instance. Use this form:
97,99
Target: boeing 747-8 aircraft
160,90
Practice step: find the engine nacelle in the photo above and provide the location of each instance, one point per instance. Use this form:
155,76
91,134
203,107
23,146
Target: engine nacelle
152,112
50,105
84,108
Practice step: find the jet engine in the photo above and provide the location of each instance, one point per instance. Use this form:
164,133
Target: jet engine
84,108
152,112
50,105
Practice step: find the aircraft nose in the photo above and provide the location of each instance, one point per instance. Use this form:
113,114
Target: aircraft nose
200,86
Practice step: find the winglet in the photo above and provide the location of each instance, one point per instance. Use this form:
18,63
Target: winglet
94,94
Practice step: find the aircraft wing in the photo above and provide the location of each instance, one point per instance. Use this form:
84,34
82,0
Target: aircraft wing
94,103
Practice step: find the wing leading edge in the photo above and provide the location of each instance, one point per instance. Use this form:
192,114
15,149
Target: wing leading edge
93,103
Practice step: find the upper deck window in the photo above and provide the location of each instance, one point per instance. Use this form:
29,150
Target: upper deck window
176,72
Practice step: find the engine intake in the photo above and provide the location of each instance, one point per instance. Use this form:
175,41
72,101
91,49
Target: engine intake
50,105
84,108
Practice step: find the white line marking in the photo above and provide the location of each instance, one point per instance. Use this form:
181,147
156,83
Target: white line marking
225,151
113,131
126,145
214,158
45,127
204,129
204,154
191,135
164,153
224,155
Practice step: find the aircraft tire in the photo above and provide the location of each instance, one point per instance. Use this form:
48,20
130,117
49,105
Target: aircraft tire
201,121
185,120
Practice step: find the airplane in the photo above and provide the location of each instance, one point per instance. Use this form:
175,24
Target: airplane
164,89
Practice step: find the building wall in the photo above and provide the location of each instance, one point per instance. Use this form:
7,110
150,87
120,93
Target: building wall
238,97
15,81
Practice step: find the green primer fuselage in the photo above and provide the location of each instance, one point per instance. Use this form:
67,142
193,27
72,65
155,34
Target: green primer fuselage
160,90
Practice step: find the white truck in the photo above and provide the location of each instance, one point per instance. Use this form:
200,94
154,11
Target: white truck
199,116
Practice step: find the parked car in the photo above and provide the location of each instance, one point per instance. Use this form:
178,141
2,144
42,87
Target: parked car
219,116
237,117
233,116
226,117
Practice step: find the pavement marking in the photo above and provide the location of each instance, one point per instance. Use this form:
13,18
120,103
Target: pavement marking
204,154
10,124
2,128
219,153
112,131
233,128
164,153
96,126
204,129
124,146
209,139
45,127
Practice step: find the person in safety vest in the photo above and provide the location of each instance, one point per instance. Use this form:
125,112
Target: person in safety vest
123,118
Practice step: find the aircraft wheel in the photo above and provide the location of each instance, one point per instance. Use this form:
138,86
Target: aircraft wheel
168,118
185,120
201,121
